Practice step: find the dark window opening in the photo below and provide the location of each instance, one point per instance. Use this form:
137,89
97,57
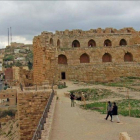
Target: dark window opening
107,43
91,43
63,76
8,100
75,43
123,42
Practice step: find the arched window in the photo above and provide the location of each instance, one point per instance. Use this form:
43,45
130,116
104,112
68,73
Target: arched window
75,43
91,43
107,42
106,58
62,59
84,58
58,43
128,57
51,41
123,42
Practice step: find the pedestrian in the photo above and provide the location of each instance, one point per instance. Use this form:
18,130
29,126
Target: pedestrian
109,110
115,113
72,97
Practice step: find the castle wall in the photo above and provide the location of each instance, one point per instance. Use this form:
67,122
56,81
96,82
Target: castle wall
96,70
73,44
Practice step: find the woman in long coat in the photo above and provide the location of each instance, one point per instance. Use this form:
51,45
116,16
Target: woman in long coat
115,113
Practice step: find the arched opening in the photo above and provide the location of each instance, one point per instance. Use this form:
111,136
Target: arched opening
58,43
123,42
106,58
91,43
84,58
62,59
128,57
107,42
75,43
51,41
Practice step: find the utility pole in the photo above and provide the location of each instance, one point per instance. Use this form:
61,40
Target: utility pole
8,36
11,33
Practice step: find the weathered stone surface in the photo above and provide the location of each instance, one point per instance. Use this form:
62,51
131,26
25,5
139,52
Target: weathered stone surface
30,109
95,55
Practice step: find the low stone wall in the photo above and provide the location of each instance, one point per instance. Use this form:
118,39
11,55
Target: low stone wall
39,87
30,109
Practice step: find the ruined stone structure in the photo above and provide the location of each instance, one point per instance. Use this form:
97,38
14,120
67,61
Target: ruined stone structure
25,77
8,97
96,55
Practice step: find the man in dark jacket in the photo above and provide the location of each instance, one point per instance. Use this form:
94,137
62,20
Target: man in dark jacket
109,110
72,97
115,113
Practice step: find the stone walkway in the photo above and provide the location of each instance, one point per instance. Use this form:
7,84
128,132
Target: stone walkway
74,123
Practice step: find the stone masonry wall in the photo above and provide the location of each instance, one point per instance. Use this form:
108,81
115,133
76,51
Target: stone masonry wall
48,47
30,108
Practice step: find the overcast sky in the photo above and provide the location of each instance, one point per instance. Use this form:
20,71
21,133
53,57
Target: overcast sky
30,18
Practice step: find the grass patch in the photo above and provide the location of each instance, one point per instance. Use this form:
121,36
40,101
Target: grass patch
123,107
123,82
95,94
62,86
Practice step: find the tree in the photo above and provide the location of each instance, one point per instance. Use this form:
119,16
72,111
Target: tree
18,64
30,65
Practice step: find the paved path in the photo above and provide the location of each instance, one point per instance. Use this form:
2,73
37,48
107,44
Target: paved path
74,123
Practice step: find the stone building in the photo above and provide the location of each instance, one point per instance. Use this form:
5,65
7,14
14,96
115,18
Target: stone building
8,75
96,55
8,96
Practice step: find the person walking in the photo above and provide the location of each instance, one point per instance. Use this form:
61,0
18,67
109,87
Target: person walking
72,97
109,110
115,113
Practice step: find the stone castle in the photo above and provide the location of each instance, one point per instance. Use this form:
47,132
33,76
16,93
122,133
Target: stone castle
97,55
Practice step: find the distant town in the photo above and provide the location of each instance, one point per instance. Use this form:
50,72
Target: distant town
13,57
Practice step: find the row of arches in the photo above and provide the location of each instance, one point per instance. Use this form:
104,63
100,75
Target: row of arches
58,42
84,58
91,43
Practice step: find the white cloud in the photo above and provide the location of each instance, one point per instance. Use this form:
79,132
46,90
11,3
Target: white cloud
18,39
30,18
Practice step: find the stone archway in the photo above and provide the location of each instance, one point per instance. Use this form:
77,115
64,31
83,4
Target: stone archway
91,43
62,59
107,42
58,43
123,42
128,57
106,58
75,44
51,41
84,58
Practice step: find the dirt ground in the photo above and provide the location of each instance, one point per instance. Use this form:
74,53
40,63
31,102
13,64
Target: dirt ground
74,123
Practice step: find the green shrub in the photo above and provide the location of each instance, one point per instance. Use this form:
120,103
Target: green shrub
10,113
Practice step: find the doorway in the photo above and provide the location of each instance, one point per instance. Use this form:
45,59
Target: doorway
63,75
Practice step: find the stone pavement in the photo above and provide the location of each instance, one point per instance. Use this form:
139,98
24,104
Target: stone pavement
74,123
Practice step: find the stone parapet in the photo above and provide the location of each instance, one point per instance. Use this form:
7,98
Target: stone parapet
30,109
49,121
